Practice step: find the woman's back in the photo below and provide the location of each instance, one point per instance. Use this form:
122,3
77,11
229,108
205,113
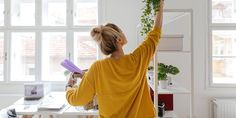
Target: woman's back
122,89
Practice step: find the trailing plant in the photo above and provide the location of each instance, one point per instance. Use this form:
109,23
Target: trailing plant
149,11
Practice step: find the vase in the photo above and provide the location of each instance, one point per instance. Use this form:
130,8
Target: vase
163,84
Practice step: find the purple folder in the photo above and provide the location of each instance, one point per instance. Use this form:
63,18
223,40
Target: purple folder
71,66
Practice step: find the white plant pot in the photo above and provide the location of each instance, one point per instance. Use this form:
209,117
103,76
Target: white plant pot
163,84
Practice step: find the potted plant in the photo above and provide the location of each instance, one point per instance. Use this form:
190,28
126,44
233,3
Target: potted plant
163,72
149,11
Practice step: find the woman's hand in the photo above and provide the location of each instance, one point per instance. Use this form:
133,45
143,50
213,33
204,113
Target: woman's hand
72,81
73,78
159,16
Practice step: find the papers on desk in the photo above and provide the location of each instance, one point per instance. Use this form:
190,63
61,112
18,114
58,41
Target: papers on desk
51,102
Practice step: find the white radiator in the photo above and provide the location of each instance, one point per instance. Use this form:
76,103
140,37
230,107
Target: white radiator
224,108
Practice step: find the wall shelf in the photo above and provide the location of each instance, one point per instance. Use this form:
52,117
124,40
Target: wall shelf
170,90
175,48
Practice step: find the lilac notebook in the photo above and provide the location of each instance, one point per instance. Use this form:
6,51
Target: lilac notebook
70,66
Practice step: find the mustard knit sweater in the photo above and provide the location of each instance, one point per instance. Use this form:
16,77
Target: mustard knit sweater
120,84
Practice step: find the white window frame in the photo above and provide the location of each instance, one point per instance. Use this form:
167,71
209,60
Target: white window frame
211,27
38,29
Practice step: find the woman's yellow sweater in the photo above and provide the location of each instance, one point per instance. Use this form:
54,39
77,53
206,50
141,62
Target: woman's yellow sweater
120,84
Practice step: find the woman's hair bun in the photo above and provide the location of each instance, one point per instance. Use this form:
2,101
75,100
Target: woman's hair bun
96,33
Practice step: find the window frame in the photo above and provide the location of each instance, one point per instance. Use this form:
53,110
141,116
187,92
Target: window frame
38,28
209,57
4,56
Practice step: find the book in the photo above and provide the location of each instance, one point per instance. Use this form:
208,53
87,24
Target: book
70,66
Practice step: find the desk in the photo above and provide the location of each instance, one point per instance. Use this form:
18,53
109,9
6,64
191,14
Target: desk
29,108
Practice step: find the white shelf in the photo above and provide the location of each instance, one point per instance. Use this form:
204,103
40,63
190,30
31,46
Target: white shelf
170,90
173,90
169,114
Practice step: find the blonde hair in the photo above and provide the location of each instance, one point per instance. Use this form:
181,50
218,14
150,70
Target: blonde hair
106,36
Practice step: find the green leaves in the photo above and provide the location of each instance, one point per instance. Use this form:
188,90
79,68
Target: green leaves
149,11
163,70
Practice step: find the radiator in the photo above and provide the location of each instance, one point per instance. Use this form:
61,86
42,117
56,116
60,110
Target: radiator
224,108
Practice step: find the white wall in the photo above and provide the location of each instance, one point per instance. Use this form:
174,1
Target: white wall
126,14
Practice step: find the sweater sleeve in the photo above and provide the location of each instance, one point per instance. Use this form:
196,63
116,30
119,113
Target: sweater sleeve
85,92
145,52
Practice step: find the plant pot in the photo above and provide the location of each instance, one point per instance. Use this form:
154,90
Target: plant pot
163,84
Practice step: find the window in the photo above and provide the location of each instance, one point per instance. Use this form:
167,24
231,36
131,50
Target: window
54,12
1,56
86,49
53,53
42,33
22,56
85,12
1,12
223,41
23,12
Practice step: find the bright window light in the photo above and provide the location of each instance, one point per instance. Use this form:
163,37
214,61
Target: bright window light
85,12
23,12
224,56
85,49
53,53
54,12
223,11
1,56
1,12
23,56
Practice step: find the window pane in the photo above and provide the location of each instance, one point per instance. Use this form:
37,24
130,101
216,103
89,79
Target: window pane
224,43
54,52
1,12
223,11
224,70
85,12
1,56
23,56
54,12
85,50
23,12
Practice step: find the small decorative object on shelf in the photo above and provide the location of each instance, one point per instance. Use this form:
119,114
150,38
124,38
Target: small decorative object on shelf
149,10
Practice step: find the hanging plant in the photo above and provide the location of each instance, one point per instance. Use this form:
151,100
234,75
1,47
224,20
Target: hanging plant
149,11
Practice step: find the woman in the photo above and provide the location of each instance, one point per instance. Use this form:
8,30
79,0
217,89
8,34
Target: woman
119,81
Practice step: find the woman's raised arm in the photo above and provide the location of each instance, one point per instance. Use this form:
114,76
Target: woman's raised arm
159,16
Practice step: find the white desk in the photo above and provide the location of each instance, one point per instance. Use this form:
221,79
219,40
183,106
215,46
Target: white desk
80,111
30,107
